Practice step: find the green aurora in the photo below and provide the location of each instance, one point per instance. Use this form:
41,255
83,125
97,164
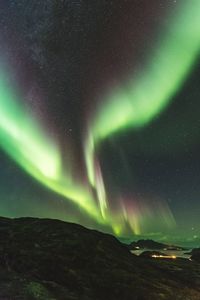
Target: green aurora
133,104
30,146
140,100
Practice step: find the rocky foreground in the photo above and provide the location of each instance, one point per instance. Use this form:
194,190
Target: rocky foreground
50,259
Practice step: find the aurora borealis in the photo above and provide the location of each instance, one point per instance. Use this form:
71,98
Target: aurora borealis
80,167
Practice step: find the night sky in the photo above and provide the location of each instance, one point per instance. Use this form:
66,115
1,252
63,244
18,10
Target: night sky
100,114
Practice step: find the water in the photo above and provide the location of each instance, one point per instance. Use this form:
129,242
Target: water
177,253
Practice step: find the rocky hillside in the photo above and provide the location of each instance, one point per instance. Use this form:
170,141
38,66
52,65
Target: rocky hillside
49,259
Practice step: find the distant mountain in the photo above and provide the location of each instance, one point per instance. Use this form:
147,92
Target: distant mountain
150,244
42,259
150,254
195,254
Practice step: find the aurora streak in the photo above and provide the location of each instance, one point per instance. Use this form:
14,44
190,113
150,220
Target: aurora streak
134,104
142,99
28,144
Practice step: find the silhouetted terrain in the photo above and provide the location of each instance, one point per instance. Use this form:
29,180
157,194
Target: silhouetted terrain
50,259
148,254
195,254
150,244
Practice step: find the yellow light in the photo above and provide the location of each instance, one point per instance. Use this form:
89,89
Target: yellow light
164,256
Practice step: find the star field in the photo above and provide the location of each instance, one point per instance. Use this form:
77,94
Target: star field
99,114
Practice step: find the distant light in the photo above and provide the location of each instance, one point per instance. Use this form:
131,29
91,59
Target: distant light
164,256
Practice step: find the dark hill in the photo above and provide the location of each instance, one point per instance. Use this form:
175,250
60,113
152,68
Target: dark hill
49,259
195,254
151,244
148,254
